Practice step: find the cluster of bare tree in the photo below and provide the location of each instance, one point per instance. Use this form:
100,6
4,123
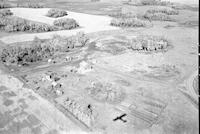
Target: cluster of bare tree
148,43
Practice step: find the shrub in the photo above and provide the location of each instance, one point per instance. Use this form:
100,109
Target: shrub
157,17
164,10
13,24
29,4
60,43
122,15
66,23
5,12
39,27
81,39
26,54
55,13
39,49
149,2
68,43
127,22
148,43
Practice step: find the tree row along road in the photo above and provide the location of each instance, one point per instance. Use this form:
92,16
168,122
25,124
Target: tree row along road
88,23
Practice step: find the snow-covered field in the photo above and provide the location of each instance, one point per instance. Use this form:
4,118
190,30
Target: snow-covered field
88,24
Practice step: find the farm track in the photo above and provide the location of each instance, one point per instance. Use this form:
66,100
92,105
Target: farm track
189,91
191,99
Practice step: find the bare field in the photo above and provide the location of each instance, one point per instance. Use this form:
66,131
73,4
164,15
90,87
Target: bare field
105,79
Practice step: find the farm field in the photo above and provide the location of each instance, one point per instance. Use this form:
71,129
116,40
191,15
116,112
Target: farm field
99,67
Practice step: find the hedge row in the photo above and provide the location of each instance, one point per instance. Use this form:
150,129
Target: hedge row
164,10
127,22
122,15
158,17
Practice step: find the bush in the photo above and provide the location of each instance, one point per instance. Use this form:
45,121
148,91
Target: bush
149,2
164,10
25,55
55,13
81,39
148,43
157,17
14,24
66,23
61,43
155,2
68,43
39,49
127,22
5,12
122,15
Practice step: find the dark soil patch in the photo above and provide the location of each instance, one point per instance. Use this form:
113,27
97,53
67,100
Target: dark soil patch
7,102
9,94
23,103
37,130
3,88
32,97
33,120
5,119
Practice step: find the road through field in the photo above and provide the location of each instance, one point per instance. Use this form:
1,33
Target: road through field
88,23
